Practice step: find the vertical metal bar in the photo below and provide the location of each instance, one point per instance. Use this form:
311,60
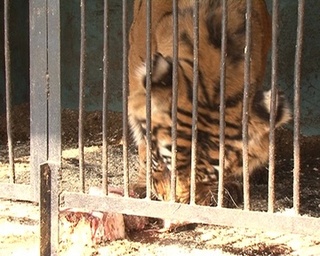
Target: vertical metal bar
222,123
105,99
148,100
45,210
297,105
7,57
174,100
54,207
245,116
49,209
274,79
194,101
54,82
54,117
82,81
38,91
125,97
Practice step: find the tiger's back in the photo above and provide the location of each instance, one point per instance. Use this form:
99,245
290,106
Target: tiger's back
210,16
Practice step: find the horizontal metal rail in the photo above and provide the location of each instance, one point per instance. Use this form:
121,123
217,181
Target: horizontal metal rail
293,224
16,191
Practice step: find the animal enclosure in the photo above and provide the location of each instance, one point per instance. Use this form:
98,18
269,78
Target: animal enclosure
54,155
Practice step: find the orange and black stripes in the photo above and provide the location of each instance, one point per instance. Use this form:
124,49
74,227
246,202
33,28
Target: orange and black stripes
207,171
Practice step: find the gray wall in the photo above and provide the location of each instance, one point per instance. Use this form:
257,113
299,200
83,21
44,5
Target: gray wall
310,83
19,37
70,35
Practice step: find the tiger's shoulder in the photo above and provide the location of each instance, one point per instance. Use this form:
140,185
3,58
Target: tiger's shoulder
209,26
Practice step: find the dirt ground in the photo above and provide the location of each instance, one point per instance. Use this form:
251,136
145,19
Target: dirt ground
19,221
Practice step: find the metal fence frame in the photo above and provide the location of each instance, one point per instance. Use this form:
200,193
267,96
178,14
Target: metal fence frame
12,190
45,118
45,134
214,215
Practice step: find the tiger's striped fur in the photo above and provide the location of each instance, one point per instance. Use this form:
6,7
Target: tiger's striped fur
210,15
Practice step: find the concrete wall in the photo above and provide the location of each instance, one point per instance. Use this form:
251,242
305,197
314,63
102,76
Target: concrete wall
70,35
310,83
19,37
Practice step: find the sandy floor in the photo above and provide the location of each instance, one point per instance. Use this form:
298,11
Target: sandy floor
19,235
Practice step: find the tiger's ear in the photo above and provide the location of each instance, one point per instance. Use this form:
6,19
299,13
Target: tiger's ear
261,106
161,71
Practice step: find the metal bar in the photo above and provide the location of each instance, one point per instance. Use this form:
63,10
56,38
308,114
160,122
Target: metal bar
194,102
195,213
297,106
45,210
49,209
125,97
174,100
7,58
17,191
54,206
222,122
54,82
82,81
148,101
274,79
245,116
105,99
38,91
54,118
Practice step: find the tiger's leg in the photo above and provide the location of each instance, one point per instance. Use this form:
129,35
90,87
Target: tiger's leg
139,187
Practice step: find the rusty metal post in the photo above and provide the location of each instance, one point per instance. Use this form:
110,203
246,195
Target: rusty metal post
104,166
194,102
222,123
7,58
174,100
297,108
125,92
82,81
245,115
148,99
274,77
45,210
49,228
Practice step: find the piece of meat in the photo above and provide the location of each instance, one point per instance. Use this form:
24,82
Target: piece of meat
104,226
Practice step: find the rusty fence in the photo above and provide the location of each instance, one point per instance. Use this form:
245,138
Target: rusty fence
45,130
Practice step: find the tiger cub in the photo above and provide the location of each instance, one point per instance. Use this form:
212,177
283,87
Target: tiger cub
207,170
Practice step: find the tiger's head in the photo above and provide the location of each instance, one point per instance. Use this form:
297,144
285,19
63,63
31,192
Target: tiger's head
208,134
208,94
